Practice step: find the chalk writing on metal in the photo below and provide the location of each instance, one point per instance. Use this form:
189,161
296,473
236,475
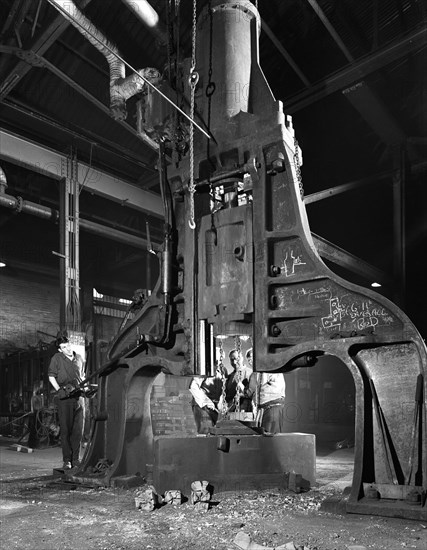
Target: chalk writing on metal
360,315
291,259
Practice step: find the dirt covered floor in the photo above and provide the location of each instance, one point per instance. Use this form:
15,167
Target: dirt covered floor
43,512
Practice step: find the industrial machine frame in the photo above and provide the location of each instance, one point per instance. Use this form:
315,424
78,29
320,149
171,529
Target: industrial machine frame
238,260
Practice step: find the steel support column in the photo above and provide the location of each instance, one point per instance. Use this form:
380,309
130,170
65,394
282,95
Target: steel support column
399,181
70,316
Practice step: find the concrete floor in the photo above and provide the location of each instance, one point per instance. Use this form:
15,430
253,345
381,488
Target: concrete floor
19,465
332,466
335,467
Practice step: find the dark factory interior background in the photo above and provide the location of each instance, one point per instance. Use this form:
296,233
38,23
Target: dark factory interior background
351,73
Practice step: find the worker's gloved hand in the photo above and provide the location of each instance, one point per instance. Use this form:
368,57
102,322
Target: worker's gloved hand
70,390
89,390
211,406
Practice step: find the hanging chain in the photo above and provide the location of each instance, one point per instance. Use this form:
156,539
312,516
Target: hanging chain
238,344
171,74
238,378
210,89
173,68
238,375
177,119
169,38
193,79
223,408
221,354
298,168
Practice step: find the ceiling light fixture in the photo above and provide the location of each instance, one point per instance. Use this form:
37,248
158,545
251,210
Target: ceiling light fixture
375,285
2,264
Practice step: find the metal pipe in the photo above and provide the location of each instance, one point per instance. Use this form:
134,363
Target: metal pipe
27,207
109,50
149,17
44,212
121,88
115,234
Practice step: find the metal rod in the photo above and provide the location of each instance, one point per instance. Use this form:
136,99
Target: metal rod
247,167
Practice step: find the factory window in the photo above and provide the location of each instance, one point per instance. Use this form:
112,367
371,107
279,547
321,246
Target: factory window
109,305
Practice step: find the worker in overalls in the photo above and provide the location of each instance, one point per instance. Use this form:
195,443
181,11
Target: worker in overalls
65,375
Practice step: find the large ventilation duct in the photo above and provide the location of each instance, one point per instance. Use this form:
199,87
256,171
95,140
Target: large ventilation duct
121,87
149,17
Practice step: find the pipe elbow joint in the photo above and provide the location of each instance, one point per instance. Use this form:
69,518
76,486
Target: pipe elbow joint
118,109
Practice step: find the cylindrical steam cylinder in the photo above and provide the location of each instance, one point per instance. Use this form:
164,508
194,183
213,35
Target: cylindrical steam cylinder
230,57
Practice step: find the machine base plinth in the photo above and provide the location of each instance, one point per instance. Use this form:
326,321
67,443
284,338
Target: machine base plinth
247,462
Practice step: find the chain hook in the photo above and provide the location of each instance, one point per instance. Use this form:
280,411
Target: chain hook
192,80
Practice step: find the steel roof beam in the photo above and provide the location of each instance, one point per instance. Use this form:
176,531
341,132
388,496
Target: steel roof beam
46,161
357,71
341,257
331,30
42,44
361,96
284,53
357,184
337,190
373,111
89,137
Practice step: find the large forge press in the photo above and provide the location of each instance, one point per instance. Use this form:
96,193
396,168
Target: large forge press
238,259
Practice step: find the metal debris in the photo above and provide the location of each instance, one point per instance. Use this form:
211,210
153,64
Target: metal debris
147,499
172,497
200,495
243,541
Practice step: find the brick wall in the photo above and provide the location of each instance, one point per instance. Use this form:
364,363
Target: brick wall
171,412
29,308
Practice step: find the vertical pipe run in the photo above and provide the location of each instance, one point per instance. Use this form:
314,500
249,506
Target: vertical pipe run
62,268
